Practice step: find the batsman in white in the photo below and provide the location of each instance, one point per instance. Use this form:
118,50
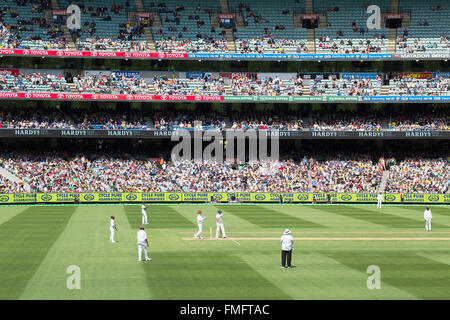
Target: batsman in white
219,224
142,244
144,213
200,220
379,200
427,215
112,228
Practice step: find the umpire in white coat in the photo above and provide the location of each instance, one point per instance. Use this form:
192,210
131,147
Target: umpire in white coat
286,249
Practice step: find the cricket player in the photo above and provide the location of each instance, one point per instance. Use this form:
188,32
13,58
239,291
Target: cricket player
112,228
200,219
219,224
427,215
144,213
286,249
142,244
380,200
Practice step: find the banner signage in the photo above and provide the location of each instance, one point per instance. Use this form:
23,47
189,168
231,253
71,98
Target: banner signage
216,197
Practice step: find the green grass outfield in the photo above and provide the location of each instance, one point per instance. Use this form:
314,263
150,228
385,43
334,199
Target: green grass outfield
334,247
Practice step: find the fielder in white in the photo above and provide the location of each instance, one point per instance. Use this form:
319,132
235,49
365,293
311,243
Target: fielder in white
200,220
144,213
219,225
427,215
380,200
112,228
142,244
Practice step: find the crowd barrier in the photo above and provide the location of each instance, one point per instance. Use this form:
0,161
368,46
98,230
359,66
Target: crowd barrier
222,56
225,99
178,197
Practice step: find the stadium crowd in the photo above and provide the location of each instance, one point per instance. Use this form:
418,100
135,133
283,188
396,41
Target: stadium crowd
266,85
128,173
345,87
205,45
419,175
270,45
343,175
257,84
8,186
59,173
33,82
401,85
36,118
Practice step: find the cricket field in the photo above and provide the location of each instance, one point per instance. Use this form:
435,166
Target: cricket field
334,247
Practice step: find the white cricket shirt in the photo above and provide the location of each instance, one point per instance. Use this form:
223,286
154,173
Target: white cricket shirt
286,242
141,236
200,219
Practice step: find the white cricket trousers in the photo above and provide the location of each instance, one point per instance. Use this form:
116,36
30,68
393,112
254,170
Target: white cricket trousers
142,246
379,203
144,218
428,225
200,230
220,228
111,236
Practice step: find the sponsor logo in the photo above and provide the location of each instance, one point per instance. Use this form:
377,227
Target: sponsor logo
323,134
346,197
302,197
418,134
174,197
26,52
131,197
46,197
120,133
9,95
260,197
94,53
389,197
27,132
73,132
60,96
59,53
433,198
88,197
4,198
217,197
28,95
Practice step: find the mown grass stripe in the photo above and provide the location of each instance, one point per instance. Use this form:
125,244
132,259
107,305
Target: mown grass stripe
422,277
158,217
268,218
381,217
206,275
24,242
